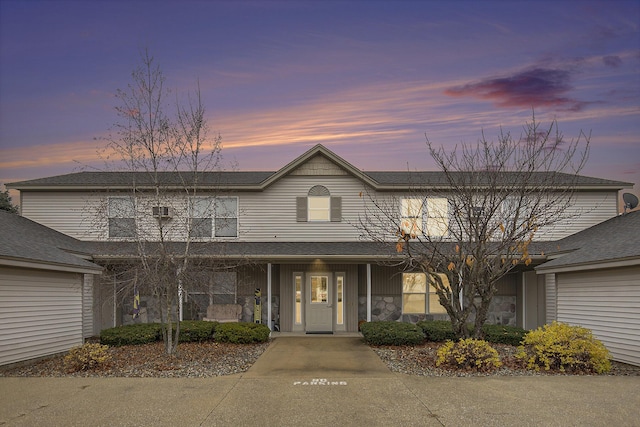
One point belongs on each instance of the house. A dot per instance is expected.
(593, 280)
(289, 235)
(46, 290)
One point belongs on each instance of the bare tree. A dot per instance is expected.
(469, 225)
(162, 150)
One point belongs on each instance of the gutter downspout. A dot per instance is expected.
(368, 292)
(269, 296)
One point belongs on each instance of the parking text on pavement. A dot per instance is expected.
(319, 381)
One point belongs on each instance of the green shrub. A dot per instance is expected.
(499, 334)
(441, 330)
(564, 348)
(391, 333)
(141, 333)
(241, 333)
(468, 354)
(196, 330)
(86, 357)
(437, 330)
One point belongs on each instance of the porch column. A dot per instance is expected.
(368, 292)
(524, 301)
(269, 296)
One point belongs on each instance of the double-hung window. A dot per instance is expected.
(122, 221)
(411, 213)
(419, 294)
(319, 206)
(226, 217)
(437, 216)
(429, 217)
(214, 217)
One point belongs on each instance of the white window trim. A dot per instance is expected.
(428, 296)
(212, 217)
(110, 216)
(340, 314)
(237, 217)
(323, 210)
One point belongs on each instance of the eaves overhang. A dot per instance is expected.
(44, 265)
(588, 266)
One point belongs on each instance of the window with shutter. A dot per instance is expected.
(318, 206)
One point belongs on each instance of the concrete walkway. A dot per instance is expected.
(321, 381)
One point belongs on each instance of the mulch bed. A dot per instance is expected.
(421, 360)
(207, 359)
(210, 359)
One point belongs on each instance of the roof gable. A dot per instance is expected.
(320, 161)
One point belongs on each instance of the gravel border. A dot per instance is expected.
(209, 359)
(421, 360)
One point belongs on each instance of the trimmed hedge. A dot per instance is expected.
(391, 333)
(197, 330)
(144, 333)
(441, 330)
(241, 333)
(500, 334)
(437, 330)
(141, 333)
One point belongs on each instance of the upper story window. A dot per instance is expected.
(430, 216)
(411, 213)
(122, 221)
(319, 206)
(437, 216)
(214, 217)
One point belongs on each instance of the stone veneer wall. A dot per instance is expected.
(502, 310)
(247, 309)
(150, 313)
(382, 308)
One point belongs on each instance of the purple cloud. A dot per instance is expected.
(532, 88)
(613, 61)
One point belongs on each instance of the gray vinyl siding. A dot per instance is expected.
(274, 214)
(67, 212)
(40, 313)
(588, 209)
(532, 303)
(607, 302)
(385, 281)
(277, 214)
(87, 305)
(551, 295)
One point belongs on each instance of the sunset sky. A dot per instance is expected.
(368, 79)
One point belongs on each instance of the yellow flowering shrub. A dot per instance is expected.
(564, 348)
(86, 357)
(468, 354)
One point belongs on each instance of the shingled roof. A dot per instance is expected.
(25, 243)
(614, 240)
(259, 180)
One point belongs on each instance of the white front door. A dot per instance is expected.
(319, 309)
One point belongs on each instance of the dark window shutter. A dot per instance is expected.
(336, 209)
(301, 209)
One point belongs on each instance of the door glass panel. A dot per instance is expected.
(339, 296)
(298, 297)
(319, 289)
